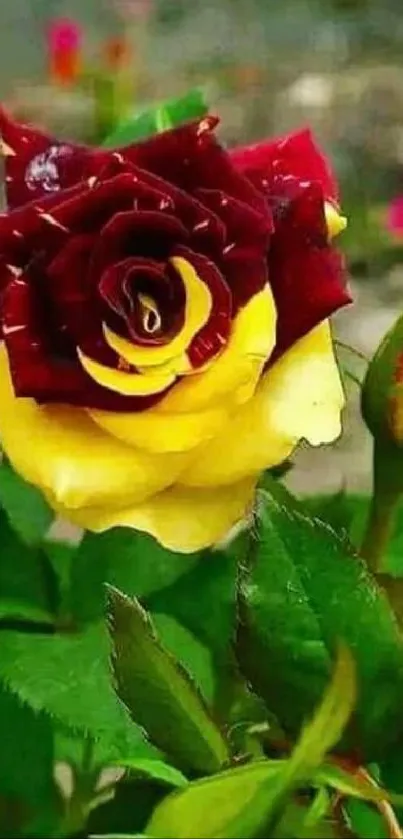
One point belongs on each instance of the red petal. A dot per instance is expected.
(27, 229)
(244, 225)
(118, 285)
(43, 226)
(294, 154)
(246, 273)
(36, 367)
(213, 336)
(36, 163)
(243, 259)
(208, 231)
(136, 233)
(305, 272)
(191, 157)
(75, 303)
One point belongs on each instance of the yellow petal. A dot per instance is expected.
(193, 413)
(61, 450)
(180, 365)
(300, 397)
(155, 431)
(177, 366)
(182, 519)
(197, 312)
(335, 222)
(235, 372)
(128, 384)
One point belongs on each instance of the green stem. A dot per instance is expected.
(387, 490)
(85, 781)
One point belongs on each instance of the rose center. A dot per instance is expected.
(147, 297)
(149, 313)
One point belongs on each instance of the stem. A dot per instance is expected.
(85, 780)
(387, 489)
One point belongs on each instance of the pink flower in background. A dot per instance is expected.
(64, 37)
(64, 34)
(394, 217)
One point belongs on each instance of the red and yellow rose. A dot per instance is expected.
(164, 312)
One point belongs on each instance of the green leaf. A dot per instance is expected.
(302, 591)
(28, 799)
(19, 611)
(155, 769)
(207, 807)
(67, 676)
(211, 615)
(351, 784)
(159, 117)
(60, 558)
(24, 505)
(159, 693)
(26, 579)
(118, 836)
(193, 655)
(365, 821)
(26, 753)
(382, 388)
(340, 510)
(130, 809)
(242, 802)
(319, 808)
(292, 824)
(349, 512)
(106, 752)
(133, 562)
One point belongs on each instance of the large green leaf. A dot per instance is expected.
(366, 822)
(159, 117)
(189, 651)
(27, 584)
(27, 791)
(207, 807)
(155, 769)
(349, 512)
(130, 809)
(304, 589)
(24, 505)
(26, 753)
(293, 824)
(159, 693)
(342, 511)
(133, 562)
(211, 615)
(244, 801)
(67, 676)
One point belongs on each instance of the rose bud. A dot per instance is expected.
(381, 398)
(165, 311)
(382, 410)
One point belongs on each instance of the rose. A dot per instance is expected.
(165, 324)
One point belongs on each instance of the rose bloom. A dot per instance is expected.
(164, 312)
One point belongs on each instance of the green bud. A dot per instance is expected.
(382, 391)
